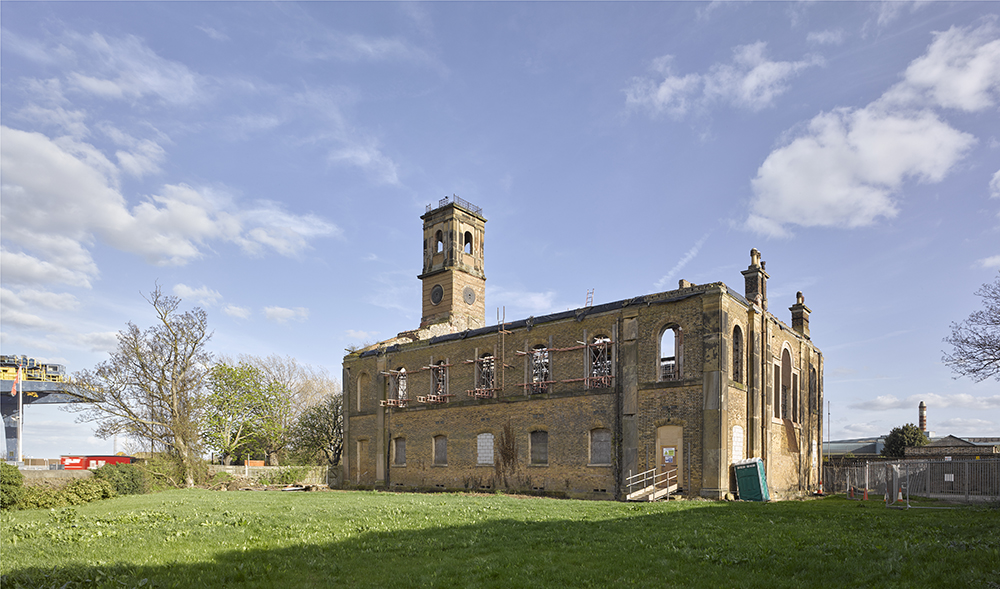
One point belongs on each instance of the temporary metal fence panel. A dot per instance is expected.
(954, 480)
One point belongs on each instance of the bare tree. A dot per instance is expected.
(151, 386)
(976, 341)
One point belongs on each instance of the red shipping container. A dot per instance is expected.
(91, 462)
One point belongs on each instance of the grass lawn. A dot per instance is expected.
(197, 538)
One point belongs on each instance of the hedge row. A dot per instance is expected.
(108, 481)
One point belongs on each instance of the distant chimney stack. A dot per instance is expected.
(756, 280)
(800, 315)
(923, 417)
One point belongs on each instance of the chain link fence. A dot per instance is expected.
(953, 480)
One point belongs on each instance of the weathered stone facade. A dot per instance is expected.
(688, 380)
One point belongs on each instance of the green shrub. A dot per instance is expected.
(127, 479)
(11, 485)
(86, 490)
(42, 498)
(78, 492)
(165, 471)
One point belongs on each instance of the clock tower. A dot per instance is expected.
(453, 282)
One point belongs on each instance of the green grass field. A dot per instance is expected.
(197, 538)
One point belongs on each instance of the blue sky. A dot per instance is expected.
(270, 161)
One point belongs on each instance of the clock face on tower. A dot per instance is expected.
(436, 293)
(469, 295)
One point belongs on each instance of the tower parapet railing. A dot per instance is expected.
(455, 199)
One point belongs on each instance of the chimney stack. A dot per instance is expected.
(800, 315)
(756, 281)
(923, 417)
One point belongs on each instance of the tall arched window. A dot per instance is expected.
(438, 242)
(737, 354)
(670, 353)
(539, 359)
(398, 391)
(600, 362)
(786, 383)
(362, 390)
(467, 245)
(486, 376)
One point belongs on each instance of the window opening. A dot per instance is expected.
(539, 370)
(795, 398)
(441, 450)
(600, 446)
(786, 384)
(484, 449)
(777, 391)
(669, 357)
(397, 388)
(485, 377)
(813, 399)
(438, 243)
(468, 242)
(399, 452)
(600, 362)
(539, 447)
(439, 384)
(737, 354)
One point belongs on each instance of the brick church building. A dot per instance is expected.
(681, 383)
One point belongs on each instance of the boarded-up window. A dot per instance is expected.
(737, 443)
(600, 446)
(441, 450)
(539, 447)
(484, 449)
(399, 452)
(737, 354)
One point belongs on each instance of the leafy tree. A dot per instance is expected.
(320, 429)
(152, 385)
(237, 399)
(302, 387)
(976, 341)
(901, 438)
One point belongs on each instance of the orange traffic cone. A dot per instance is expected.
(850, 492)
(866, 494)
(899, 497)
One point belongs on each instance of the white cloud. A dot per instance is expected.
(960, 70)
(203, 295)
(690, 255)
(283, 315)
(962, 426)
(990, 263)
(125, 68)
(846, 166)
(361, 335)
(61, 195)
(960, 401)
(236, 311)
(750, 81)
(995, 185)
(214, 34)
(829, 37)
(29, 297)
(525, 303)
(99, 341)
(860, 430)
(370, 158)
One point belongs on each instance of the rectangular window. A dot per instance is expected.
(600, 446)
(539, 447)
(484, 449)
(439, 372)
(441, 450)
(399, 452)
(777, 391)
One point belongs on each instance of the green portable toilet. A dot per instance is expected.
(751, 482)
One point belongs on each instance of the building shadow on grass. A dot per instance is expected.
(714, 545)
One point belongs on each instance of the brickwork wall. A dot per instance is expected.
(569, 411)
